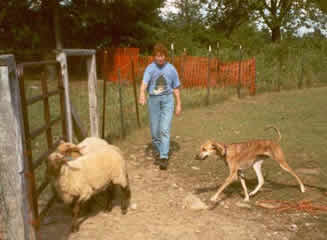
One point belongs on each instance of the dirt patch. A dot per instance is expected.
(157, 211)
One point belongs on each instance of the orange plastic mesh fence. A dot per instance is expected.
(193, 71)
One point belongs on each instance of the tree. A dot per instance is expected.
(35, 24)
(322, 4)
(226, 16)
(186, 27)
(275, 15)
(15, 24)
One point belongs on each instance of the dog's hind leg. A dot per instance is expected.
(245, 189)
(288, 169)
(279, 157)
(257, 168)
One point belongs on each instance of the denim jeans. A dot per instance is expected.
(161, 109)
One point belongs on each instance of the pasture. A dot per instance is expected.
(157, 210)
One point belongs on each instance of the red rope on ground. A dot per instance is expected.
(303, 206)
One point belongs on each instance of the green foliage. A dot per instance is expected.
(276, 16)
(288, 63)
(292, 64)
(84, 24)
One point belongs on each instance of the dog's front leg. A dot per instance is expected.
(245, 189)
(232, 177)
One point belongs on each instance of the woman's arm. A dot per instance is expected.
(142, 99)
(178, 108)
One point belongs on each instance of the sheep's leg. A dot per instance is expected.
(126, 195)
(109, 198)
(76, 210)
(88, 205)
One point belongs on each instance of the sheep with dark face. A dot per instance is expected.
(77, 181)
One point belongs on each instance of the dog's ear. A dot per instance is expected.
(220, 147)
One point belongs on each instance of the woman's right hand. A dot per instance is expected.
(142, 99)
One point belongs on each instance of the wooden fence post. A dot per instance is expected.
(62, 58)
(18, 214)
(92, 84)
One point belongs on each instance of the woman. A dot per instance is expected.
(161, 82)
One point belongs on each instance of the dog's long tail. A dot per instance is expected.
(276, 129)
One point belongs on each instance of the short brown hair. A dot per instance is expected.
(160, 48)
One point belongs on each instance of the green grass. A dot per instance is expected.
(300, 116)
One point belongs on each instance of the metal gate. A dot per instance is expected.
(32, 132)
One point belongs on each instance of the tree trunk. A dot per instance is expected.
(275, 34)
(50, 68)
(56, 23)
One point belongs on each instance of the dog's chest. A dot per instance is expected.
(241, 156)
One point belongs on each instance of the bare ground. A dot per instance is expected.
(157, 207)
(157, 212)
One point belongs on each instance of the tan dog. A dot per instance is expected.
(240, 156)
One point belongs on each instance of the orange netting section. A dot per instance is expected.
(193, 71)
(118, 59)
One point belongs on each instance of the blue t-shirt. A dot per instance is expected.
(161, 80)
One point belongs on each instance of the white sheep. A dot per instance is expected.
(93, 144)
(89, 144)
(77, 181)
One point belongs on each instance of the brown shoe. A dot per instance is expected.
(163, 163)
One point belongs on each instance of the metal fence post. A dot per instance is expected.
(135, 94)
(208, 81)
(217, 66)
(172, 53)
(121, 106)
(104, 79)
(239, 74)
(300, 84)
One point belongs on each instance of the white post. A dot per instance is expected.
(92, 85)
(14, 207)
(62, 58)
